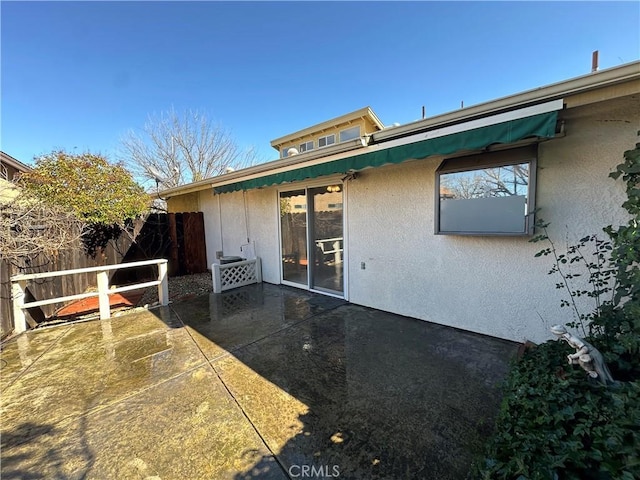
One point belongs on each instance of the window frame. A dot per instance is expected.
(325, 137)
(346, 130)
(303, 147)
(492, 159)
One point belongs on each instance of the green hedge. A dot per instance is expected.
(555, 424)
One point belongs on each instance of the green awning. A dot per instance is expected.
(542, 125)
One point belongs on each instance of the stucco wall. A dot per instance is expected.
(258, 225)
(183, 203)
(491, 285)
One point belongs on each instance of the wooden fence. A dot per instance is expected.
(187, 251)
(177, 236)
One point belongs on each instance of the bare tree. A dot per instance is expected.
(32, 227)
(175, 149)
(489, 182)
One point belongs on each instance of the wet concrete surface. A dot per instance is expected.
(259, 382)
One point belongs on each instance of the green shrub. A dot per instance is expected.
(554, 424)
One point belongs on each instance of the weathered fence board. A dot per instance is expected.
(187, 252)
(194, 244)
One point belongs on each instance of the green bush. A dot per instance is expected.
(554, 424)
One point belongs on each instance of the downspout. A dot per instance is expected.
(220, 220)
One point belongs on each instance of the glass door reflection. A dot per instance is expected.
(293, 227)
(327, 241)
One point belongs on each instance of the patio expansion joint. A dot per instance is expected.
(233, 397)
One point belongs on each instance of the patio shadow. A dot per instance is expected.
(337, 389)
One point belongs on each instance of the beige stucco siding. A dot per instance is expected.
(258, 225)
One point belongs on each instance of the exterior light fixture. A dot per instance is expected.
(333, 188)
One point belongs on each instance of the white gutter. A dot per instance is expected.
(603, 78)
(480, 122)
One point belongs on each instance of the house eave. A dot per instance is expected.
(14, 163)
(265, 167)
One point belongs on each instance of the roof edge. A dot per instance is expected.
(554, 91)
(14, 162)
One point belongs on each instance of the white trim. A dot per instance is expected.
(328, 293)
(305, 144)
(478, 123)
(345, 242)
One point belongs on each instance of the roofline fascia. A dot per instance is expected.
(591, 81)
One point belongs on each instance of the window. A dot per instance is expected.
(327, 140)
(487, 194)
(306, 146)
(285, 152)
(349, 134)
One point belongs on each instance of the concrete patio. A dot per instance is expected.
(259, 382)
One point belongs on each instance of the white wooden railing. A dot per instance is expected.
(19, 285)
(331, 245)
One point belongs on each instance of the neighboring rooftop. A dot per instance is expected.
(8, 160)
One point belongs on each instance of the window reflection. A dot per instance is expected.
(501, 181)
(293, 219)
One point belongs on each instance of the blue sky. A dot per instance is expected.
(79, 75)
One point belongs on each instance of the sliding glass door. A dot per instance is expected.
(312, 242)
(293, 228)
